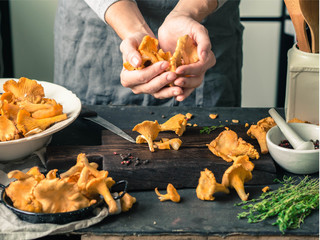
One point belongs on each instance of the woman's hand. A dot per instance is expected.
(190, 76)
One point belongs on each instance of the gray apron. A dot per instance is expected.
(88, 60)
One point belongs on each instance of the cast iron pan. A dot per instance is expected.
(59, 218)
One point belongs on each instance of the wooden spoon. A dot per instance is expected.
(299, 24)
(310, 12)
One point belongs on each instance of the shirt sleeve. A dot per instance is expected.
(101, 6)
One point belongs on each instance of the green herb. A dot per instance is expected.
(290, 203)
(210, 129)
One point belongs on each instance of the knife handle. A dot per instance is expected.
(86, 112)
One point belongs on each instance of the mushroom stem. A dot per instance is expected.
(221, 188)
(104, 191)
(238, 185)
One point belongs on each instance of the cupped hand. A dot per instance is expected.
(153, 79)
(189, 76)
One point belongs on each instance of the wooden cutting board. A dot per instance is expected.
(181, 168)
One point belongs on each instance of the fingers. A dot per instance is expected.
(138, 77)
(151, 80)
(202, 39)
(186, 93)
(129, 47)
(168, 92)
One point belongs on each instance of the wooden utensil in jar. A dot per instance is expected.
(310, 12)
(299, 24)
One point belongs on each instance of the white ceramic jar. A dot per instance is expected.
(302, 90)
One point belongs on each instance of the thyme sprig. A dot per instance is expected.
(290, 204)
(208, 130)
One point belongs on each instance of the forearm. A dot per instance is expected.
(126, 19)
(197, 10)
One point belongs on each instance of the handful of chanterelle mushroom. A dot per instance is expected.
(77, 188)
(185, 53)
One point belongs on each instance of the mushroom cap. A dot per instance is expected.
(174, 195)
(205, 188)
(21, 194)
(17, 174)
(25, 89)
(227, 144)
(259, 132)
(149, 130)
(59, 195)
(208, 185)
(35, 173)
(188, 49)
(127, 202)
(266, 123)
(148, 49)
(9, 109)
(8, 130)
(176, 123)
(185, 53)
(46, 109)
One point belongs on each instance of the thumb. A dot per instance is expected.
(129, 47)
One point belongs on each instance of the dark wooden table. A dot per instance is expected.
(191, 218)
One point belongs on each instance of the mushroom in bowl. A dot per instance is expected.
(19, 146)
(293, 160)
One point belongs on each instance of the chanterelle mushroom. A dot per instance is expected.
(228, 145)
(127, 202)
(237, 174)
(208, 186)
(26, 123)
(172, 194)
(20, 191)
(259, 132)
(149, 130)
(176, 123)
(99, 185)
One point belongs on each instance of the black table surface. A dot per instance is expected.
(191, 216)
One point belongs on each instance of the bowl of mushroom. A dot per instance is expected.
(30, 112)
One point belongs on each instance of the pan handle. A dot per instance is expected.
(124, 191)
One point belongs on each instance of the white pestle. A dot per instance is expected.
(294, 139)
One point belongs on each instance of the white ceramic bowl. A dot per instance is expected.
(21, 148)
(295, 161)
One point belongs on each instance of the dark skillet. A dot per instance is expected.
(59, 218)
